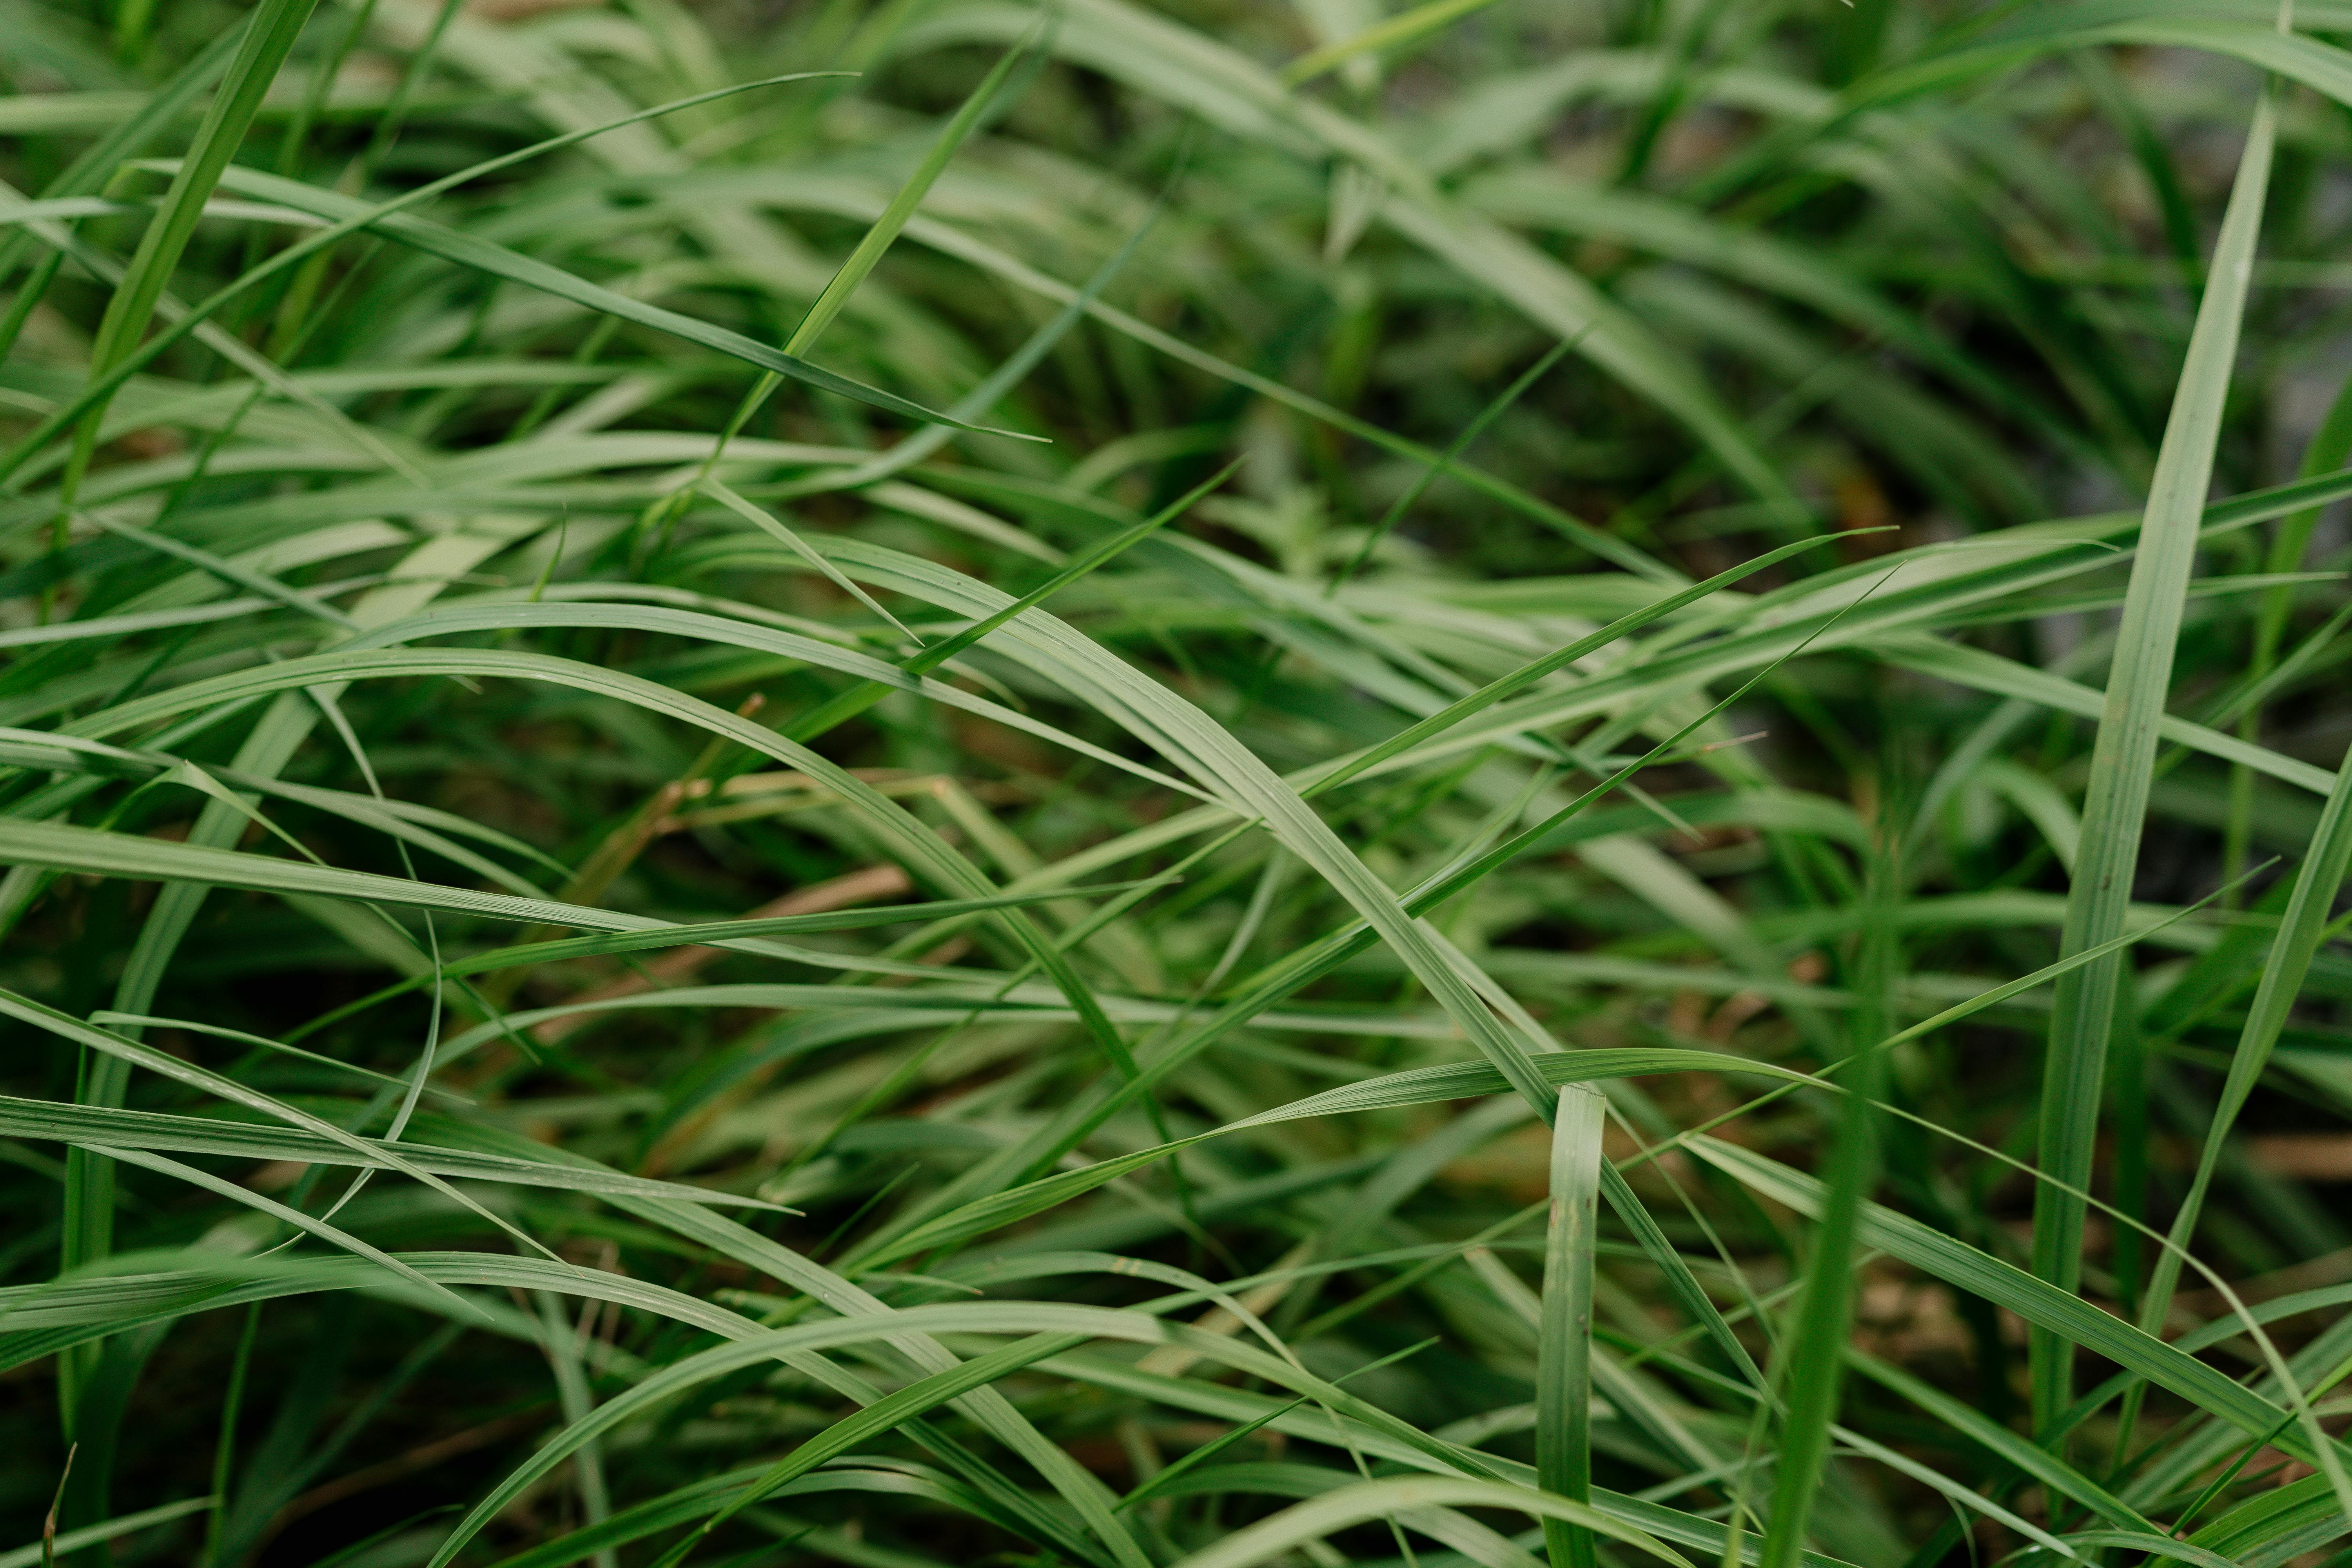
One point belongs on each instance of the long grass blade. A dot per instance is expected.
(1564, 1334)
(2123, 759)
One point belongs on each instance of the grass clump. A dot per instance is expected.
(1143, 784)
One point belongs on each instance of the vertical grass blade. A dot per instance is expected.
(1809, 1371)
(1564, 1332)
(565, 1356)
(269, 39)
(2123, 762)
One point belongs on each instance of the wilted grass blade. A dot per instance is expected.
(94, 1535)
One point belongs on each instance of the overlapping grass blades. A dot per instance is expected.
(1041, 945)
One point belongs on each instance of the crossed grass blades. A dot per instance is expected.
(924, 782)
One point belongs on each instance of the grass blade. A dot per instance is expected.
(267, 38)
(1564, 1334)
(2123, 760)
(1811, 1361)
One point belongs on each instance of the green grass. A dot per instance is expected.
(928, 783)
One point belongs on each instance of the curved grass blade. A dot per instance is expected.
(102, 386)
(1502, 686)
(2036, 1301)
(41, 1119)
(849, 704)
(497, 260)
(1336, 1510)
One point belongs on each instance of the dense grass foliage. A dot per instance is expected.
(1174, 782)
